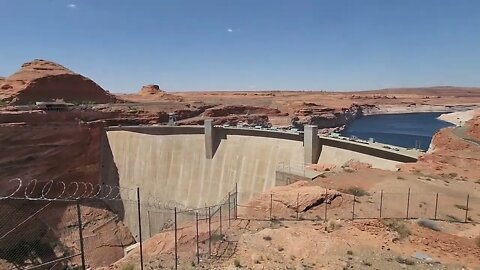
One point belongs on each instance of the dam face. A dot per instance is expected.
(174, 167)
(187, 167)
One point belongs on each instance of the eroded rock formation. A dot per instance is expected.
(151, 89)
(41, 80)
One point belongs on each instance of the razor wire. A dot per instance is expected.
(56, 190)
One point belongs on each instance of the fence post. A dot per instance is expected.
(82, 250)
(353, 207)
(149, 225)
(220, 220)
(466, 209)
(209, 233)
(206, 213)
(140, 228)
(298, 195)
(198, 254)
(381, 202)
(436, 207)
(271, 205)
(176, 254)
(229, 206)
(326, 194)
(236, 200)
(408, 201)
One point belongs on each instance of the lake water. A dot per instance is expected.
(398, 129)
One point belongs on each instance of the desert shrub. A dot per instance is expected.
(400, 177)
(333, 225)
(267, 238)
(477, 182)
(237, 263)
(128, 267)
(453, 218)
(427, 223)
(367, 263)
(404, 260)
(216, 237)
(462, 207)
(280, 249)
(357, 191)
(452, 175)
(398, 226)
(275, 220)
(349, 252)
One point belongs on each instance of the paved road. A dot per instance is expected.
(462, 134)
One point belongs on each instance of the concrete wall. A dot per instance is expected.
(174, 167)
(339, 156)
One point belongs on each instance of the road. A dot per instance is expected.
(462, 134)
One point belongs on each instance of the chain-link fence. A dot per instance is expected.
(39, 235)
(362, 205)
(89, 232)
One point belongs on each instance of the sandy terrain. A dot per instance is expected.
(459, 118)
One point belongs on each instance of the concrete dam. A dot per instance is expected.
(194, 166)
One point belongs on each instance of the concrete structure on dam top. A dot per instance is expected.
(194, 166)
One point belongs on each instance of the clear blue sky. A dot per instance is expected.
(248, 44)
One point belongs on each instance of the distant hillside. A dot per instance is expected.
(427, 91)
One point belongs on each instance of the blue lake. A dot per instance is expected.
(398, 129)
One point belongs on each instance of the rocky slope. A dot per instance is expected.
(324, 117)
(453, 154)
(41, 80)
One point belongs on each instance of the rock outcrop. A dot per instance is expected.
(324, 117)
(42, 80)
(221, 111)
(151, 89)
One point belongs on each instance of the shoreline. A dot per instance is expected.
(459, 118)
(395, 109)
(449, 114)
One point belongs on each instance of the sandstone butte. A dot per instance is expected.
(41, 80)
(151, 89)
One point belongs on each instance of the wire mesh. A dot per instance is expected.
(38, 234)
(43, 232)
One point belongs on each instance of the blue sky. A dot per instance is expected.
(248, 44)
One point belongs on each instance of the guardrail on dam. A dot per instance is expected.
(190, 166)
